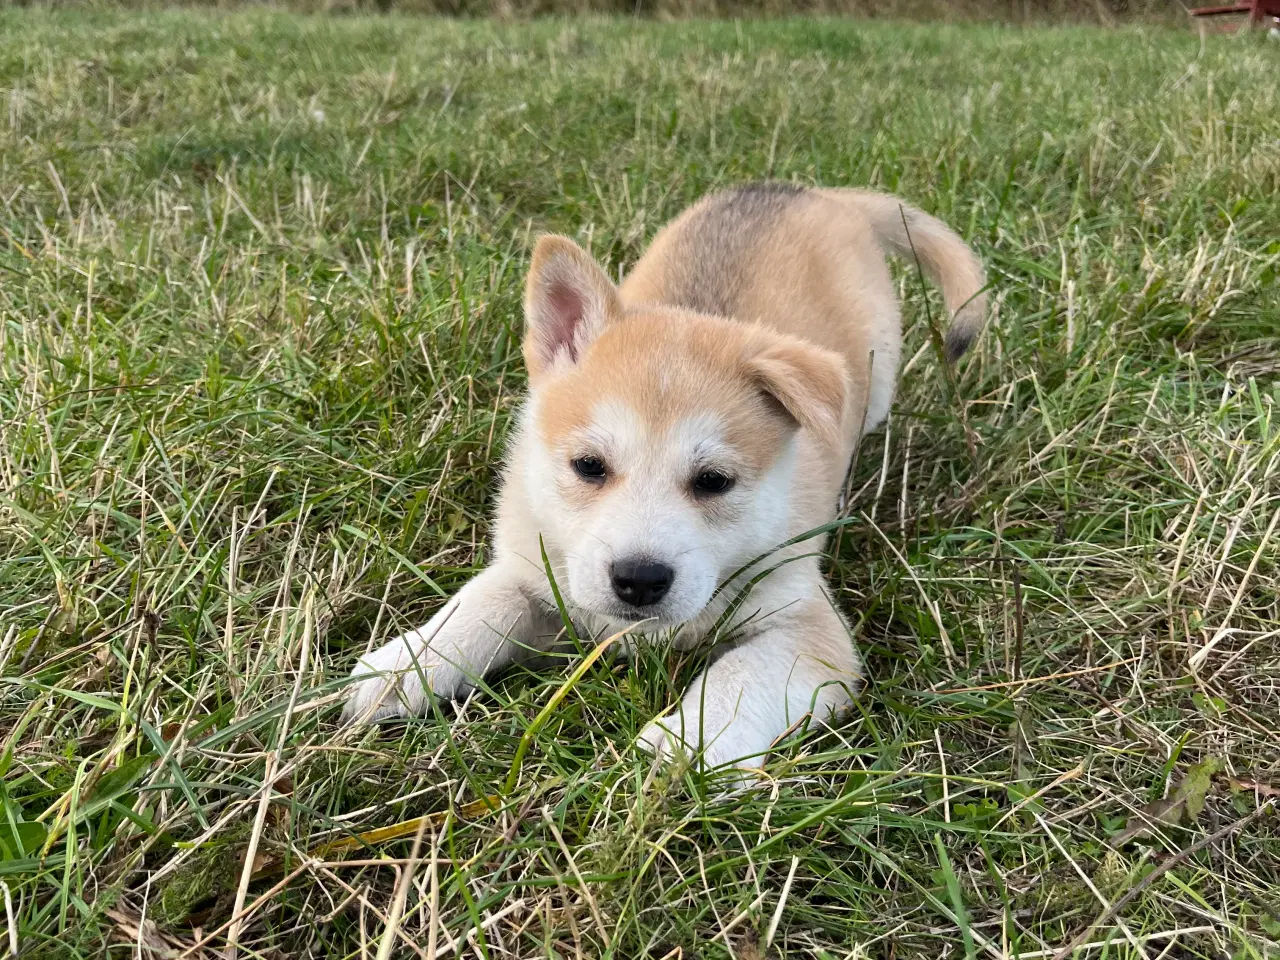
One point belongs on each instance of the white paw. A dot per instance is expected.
(388, 682)
(702, 740)
(658, 740)
(397, 679)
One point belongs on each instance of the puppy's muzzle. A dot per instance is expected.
(640, 581)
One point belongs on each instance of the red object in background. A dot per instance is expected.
(1258, 10)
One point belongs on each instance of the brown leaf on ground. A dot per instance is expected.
(1264, 789)
(145, 937)
(1183, 804)
(264, 864)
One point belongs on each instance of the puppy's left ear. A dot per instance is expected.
(807, 382)
(568, 300)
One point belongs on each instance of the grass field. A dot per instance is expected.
(259, 326)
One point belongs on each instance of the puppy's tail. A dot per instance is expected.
(947, 260)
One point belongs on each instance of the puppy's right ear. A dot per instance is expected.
(807, 382)
(568, 300)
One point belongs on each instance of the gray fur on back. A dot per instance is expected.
(706, 270)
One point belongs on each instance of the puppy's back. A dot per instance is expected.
(704, 260)
(808, 262)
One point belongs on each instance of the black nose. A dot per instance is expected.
(640, 581)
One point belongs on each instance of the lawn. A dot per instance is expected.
(260, 282)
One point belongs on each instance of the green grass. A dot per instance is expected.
(259, 326)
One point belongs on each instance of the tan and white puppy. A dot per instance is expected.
(678, 428)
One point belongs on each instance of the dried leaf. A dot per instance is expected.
(264, 866)
(1263, 789)
(407, 828)
(144, 936)
(1184, 803)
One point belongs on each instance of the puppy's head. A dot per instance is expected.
(661, 446)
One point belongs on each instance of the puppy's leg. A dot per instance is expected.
(756, 691)
(490, 622)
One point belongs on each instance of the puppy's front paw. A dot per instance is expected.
(388, 682)
(396, 679)
(701, 739)
(657, 740)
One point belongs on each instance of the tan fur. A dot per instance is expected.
(809, 263)
(946, 259)
(560, 272)
(665, 364)
(757, 339)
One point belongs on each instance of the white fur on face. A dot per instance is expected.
(647, 509)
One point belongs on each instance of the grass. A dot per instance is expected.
(1105, 12)
(259, 325)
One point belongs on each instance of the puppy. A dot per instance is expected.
(679, 430)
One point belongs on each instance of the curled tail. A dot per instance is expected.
(947, 260)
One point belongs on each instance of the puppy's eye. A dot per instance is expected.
(711, 482)
(590, 469)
